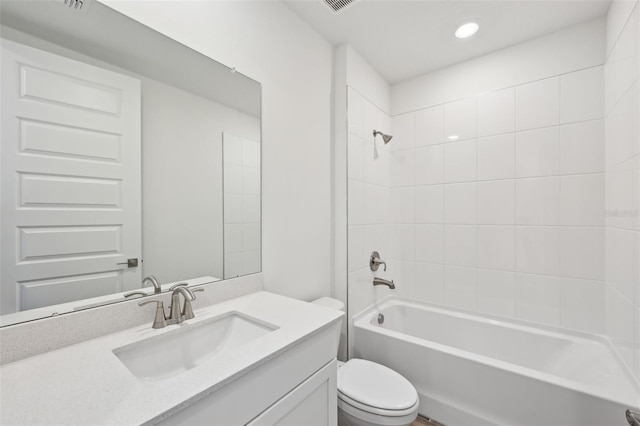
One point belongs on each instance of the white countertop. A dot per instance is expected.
(87, 384)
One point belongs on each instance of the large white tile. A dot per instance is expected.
(250, 180)
(430, 282)
(430, 204)
(496, 202)
(496, 247)
(403, 205)
(403, 167)
(583, 305)
(460, 161)
(430, 243)
(496, 292)
(460, 245)
(621, 128)
(623, 262)
(233, 208)
(582, 147)
(583, 200)
(251, 208)
(496, 112)
(233, 265)
(404, 132)
(460, 203)
(250, 153)
(538, 152)
(232, 237)
(582, 254)
(538, 104)
(377, 238)
(404, 277)
(620, 317)
(355, 113)
(356, 249)
(355, 202)
(538, 250)
(403, 242)
(429, 165)
(496, 157)
(460, 119)
(538, 298)
(430, 126)
(251, 240)
(582, 95)
(460, 287)
(376, 164)
(233, 179)
(232, 149)
(251, 262)
(538, 201)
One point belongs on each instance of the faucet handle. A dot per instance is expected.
(375, 261)
(173, 287)
(160, 319)
(135, 293)
(195, 291)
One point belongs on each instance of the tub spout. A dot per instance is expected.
(382, 281)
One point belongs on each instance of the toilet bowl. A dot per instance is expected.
(370, 394)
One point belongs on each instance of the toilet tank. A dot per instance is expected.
(329, 302)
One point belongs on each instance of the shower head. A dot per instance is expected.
(385, 138)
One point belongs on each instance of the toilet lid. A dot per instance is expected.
(375, 385)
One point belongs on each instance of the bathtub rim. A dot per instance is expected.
(365, 318)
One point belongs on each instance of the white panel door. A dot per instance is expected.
(70, 189)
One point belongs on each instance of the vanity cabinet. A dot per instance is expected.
(313, 402)
(297, 386)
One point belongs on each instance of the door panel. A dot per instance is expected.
(70, 190)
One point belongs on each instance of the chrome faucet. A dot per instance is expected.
(157, 289)
(154, 282)
(176, 315)
(382, 281)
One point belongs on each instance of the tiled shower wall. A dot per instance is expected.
(368, 198)
(498, 201)
(622, 165)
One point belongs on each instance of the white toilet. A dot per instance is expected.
(370, 394)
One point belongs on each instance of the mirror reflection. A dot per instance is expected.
(119, 160)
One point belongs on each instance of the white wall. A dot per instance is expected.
(268, 42)
(506, 219)
(622, 95)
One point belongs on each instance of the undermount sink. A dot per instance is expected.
(189, 345)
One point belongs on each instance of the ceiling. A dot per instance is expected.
(402, 39)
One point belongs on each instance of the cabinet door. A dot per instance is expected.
(313, 403)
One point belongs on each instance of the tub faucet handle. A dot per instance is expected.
(375, 261)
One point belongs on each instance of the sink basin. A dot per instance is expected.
(189, 345)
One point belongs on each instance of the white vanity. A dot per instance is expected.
(258, 359)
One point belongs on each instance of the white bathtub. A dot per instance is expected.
(471, 369)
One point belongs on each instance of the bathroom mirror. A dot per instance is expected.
(123, 154)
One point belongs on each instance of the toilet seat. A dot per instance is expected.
(365, 387)
(345, 400)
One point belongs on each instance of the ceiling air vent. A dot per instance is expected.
(338, 5)
(77, 5)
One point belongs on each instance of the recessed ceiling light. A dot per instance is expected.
(452, 137)
(467, 30)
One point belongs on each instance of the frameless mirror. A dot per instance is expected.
(123, 154)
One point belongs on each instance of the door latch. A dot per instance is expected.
(131, 263)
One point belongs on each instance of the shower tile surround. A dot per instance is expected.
(495, 204)
(622, 187)
(495, 201)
